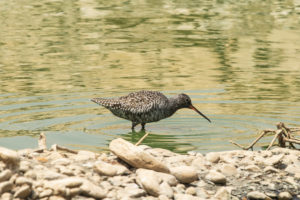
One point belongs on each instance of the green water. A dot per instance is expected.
(238, 60)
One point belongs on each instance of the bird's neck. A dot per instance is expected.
(173, 104)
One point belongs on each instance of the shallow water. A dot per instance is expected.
(239, 62)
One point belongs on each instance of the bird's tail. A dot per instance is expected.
(108, 103)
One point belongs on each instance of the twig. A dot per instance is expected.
(140, 141)
(283, 134)
(275, 137)
(254, 142)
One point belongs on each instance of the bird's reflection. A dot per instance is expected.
(153, 140)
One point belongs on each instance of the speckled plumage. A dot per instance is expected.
(145, 106)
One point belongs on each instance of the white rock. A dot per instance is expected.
(135, 156)
(255, 195)
(23, 180)
(191, 191)
(84, 155)
(61, 161)
(45, 193)
(165, 189)
(270, 169)
(274, 160)
(284, 196)
(185, 174)
(252, 168)
(148, 180)
(5, 175)
(168, 178)
(222, 194)
(9, 157)
(200, 163)
(90, 189)
(213, 157)
(216, 177)
(108, 169)
(6, 196)
(228, 170)
(186, 197)
(293, 169)
(23, 192)
(5, 187)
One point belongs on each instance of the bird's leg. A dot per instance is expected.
(133, 125)
(143, 126)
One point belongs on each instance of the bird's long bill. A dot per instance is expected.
(195, 109)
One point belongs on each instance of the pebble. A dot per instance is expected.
(185, 174)
(216, 177)
(23, 192)
(148, 180)
(228, 170)
(5, 187)
(191, 191)
(255, 195)
(5, 175)
(284, 196)
(9, 157)
(213, 157)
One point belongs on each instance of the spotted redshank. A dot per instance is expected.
(146, 106)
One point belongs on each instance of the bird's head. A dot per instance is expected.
(184, 101)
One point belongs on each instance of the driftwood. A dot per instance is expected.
(282, 134)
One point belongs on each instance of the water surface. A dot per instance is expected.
(238, 60)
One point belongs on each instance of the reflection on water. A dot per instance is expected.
(239, 62)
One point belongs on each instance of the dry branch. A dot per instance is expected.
(282, 134)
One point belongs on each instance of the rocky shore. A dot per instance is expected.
(141, 172)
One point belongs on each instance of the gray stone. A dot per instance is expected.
(185, 174)
(5, 175)
(5, 187)
(135, 156)
(284, 196)
(23, 192)
(255, 195)
(216, 177)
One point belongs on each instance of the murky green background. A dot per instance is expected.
(238, 60)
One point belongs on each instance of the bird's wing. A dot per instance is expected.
(142, 102)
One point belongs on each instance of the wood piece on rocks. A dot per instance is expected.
(185, 174)
(135, 156)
